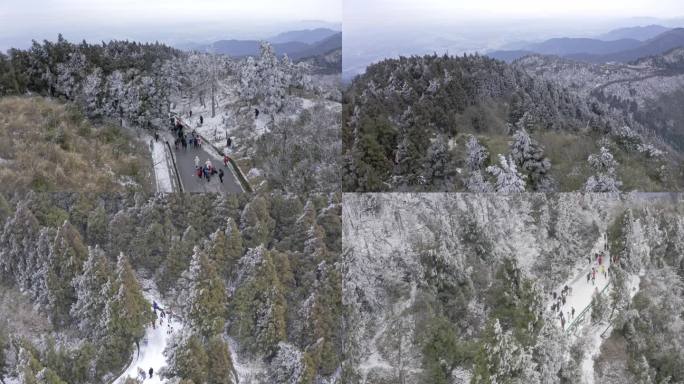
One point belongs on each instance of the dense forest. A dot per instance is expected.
(294, 146)
(441, 123)
(260, 271)
(446, 288)
(118, 79)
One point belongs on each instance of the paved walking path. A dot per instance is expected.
(581, 291)
(185, 162)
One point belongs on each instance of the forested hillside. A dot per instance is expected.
(119, 79)
(529, 288)
(648, 90)
(440, 123)
(282, 118)
(255, 282)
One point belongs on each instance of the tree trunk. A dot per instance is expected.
(213, 100)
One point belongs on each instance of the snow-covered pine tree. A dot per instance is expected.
(65, 262)
(437, 161)
(529, 157)
(258, 307)
(17, 243)
(256, 224)
(219, 363)
(605, 178)
(502, 359)
(88, 309)
(476, 154)
(508, 180)
(225, 248)
(96, 227)
(127, 314)
(178, 258)
(206, 303)
(287, 366)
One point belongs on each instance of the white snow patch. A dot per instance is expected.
(245, 370)
(161, 163)
(153, 344)
(261, 124)
(582, 291)
(254, 172)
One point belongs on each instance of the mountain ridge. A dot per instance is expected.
(296, 44)
(598, 51)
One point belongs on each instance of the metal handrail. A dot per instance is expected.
(175, 167)
(584, 311)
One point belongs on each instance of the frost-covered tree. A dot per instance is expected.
(476, 158)
(220, 365)
(258, 306)
(437, 160)
(88, 309)
(96, 227)
(267, 79)
(204, 297)
(287, 366)
(17, 246)
(70, 75)
(502, 359)
(476, 154)
(65, 262)
(549, 351)
(605, 178)
(126, 315)
(92, 96)
(189, 360)
(256, 225)
(529, 157)
(226, 248)
(476, 183)
(508, 180)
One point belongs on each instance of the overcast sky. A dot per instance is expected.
(165, 20)
(402, 10)
(377, 29)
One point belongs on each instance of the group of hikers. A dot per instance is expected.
(600, 267)
(560, 299)
(207, 170)
(142, 374)
(182, 139)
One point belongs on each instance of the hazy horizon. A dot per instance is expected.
(378, 29)
(172, 21)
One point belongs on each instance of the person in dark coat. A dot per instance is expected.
(220, 175)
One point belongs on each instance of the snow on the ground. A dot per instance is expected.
(261, 124)
(245, 370)
(160, 161)
(580, 298)
(582, 291)
(153, 344)
(596, 333)
(375, 360)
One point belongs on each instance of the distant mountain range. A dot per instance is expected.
(633, 43)
(307, 36)
(296, 44)
(636, 33)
